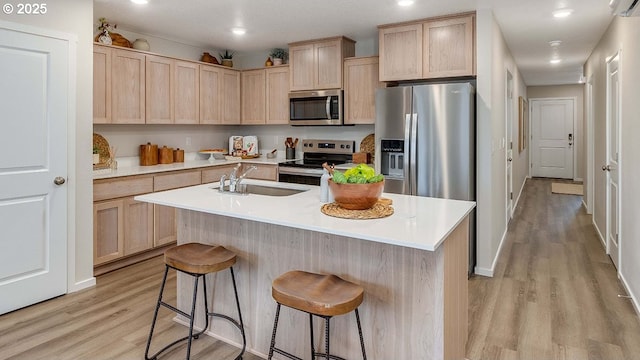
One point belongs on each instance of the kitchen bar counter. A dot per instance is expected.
(418, 222)
(412, 265)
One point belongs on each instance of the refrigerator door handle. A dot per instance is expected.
(413, 172)
(407, 154)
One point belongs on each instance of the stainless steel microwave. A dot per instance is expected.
(321, 107)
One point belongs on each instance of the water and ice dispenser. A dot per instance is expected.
(392, 162)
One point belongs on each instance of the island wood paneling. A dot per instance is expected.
(405, 305)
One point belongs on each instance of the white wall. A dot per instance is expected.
(127, 138)
(568, 91)
(621, 34)
(493, 60)
(74, 17)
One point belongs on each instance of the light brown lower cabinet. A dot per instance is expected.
(108, 231)
(138, 226)
(263, 171)
(126, 231)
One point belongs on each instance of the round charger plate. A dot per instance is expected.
(378, 211)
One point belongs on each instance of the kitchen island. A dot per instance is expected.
(412, 265)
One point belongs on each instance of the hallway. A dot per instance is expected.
(554, 294)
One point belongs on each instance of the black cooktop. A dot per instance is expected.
(315, 161)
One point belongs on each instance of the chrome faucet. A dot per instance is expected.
(232, 178)
(241, 177)
(223, 178)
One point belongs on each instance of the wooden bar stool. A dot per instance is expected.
(324, 296)
(197, 260)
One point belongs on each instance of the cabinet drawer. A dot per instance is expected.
(176, 180)
(263, 172)
(111, 189)
(213, 174)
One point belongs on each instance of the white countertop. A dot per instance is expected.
(129, 166)
(418, 222)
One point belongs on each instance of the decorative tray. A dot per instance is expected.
(380, 210)
(100, 143)
(214, 154)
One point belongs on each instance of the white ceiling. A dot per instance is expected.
(527, 25)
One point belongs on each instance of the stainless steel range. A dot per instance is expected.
(315, 153)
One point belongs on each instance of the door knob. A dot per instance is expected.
(606, 168)
(59, 180)
(509, 159)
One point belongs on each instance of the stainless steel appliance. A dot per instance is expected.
(425, 143)
(308, 170)
(322, 107)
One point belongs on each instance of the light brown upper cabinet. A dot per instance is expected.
(101, 84)
(277, 95)
(186, 93)
(219, 95)
(360, 84)
(317, 64)
(426, 49)
(254, 96)
(127, 87)
(265, 96)
(230, 97)
(159, 89)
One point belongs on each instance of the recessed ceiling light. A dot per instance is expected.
(139, 1)
(405, 2)
(555, 43)
(562, 13)
(555, 61)
(238, 31)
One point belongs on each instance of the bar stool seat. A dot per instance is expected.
(197, 260)
(319, 295)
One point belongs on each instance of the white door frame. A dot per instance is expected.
(575, 127)
(589, 147)
(508, 125)
(618, 54)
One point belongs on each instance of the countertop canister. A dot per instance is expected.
(148, 154)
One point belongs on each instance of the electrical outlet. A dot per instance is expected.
(187, 141)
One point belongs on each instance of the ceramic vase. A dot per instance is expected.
(141, 44)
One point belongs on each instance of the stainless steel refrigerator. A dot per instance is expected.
(425, 143)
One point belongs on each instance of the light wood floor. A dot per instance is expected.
(554, 296)
(109, 321)
(554, 291)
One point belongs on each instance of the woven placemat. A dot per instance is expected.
(379, 210)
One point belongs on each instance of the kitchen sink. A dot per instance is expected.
(262, 190)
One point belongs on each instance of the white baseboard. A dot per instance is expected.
(84, 284)
(515, 204)
(489, 272)
(595, 226)
(634, 299)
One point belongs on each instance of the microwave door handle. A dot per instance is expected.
(414, 154)
(406, 171)
(328, 107)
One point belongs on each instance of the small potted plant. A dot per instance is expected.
(279, 56)
(96, 155)
(226, 57)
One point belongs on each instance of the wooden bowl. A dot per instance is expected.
(356, 196)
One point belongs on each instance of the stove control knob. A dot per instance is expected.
(342, 146)
(305, 144)
(348, 146)
(310, 145)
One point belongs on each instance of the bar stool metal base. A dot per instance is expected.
(239, 324)
(314, 354)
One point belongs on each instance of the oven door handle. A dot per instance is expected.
(296, 171)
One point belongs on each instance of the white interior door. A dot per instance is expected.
(552, 138)
(33, 209)
(612, 168)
